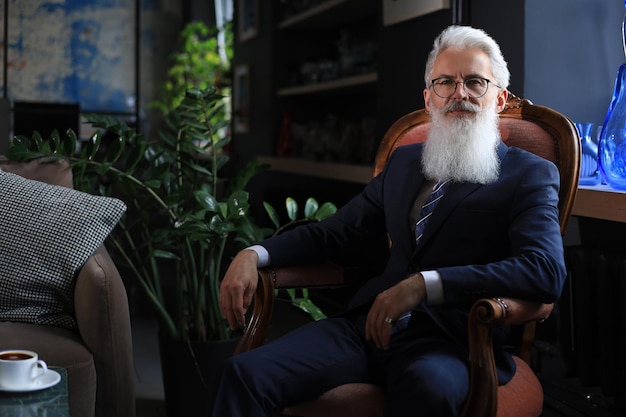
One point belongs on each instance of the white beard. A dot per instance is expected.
(463, 149)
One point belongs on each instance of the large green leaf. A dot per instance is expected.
(115, 149)
(309, 307)
(207, 201)
(200, 169)
(93, 146)
(20, 151)
(70, 143)
(55, 141)
(238, 204)
(327, 210)
(310, 208)
(134, 156)
(164, 254)
(292, 208)
(271, 212)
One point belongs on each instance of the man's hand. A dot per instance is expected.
(391, 304)
(238, 288)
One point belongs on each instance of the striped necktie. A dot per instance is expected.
(428, 207)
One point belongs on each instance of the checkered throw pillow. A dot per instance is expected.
(47, 233)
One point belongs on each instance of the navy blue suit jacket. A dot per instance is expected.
(497, 240)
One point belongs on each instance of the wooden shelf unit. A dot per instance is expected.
(333, 86)
(600, 202)
(329, 13)
(360, 174)
(322, 25)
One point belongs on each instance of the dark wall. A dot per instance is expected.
(404, 48)
(573, 51)
(505, 22)
(194, 10)
(259, 54)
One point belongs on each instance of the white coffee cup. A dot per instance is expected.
(19, 369)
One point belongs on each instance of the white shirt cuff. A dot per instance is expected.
(264, 255)
(434, 287)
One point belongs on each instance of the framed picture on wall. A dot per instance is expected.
(248, 11)
(395, 11)
(241, 99)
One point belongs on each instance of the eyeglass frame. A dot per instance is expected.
(456, 83)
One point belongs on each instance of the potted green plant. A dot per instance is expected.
(184, 221)
(181, 214)
(200, 61)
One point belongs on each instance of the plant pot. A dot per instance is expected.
(191, 372)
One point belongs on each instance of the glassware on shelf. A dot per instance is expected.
(612, 142)
(589, 169)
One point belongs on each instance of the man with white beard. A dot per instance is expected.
(463, 150)
(494, 232)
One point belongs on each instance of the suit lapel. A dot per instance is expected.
(456, 193)
(450, 200)
(413, 181)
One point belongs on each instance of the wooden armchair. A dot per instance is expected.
(538, 129)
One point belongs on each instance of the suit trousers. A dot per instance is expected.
(425, 373)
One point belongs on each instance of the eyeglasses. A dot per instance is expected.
(475, 87)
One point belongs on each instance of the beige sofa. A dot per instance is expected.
(98, 356)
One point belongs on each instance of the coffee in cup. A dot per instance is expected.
(19, 369)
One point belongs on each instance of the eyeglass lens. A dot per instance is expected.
(474, 87)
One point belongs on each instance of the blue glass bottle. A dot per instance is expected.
(589, 169)
(612, 142)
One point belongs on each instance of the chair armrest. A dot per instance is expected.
(484, 316)
(310, 276)
(102, 314)
(514, 312)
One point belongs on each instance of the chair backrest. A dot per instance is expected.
(538, 129)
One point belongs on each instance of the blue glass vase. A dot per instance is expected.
(612, 142)
(589, 169)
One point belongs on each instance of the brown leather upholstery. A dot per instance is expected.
(98, 356)
(538, 129)
(58, 173)
(522, 397)
(366, 400)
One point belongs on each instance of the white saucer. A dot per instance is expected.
(44, 381)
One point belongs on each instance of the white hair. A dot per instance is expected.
(466, 37)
